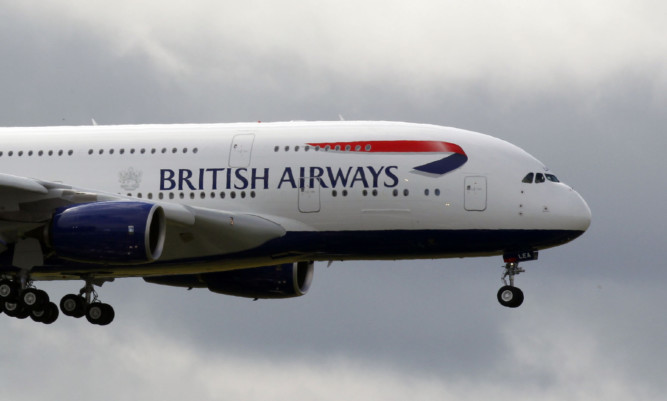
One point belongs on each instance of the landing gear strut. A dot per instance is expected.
(509, 295)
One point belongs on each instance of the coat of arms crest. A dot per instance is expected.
(129, 179)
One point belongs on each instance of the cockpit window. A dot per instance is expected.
(539, 177)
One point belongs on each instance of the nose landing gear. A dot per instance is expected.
(509, 295)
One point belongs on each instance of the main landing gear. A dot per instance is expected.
(29, 301)
(86, 304)
(509, 295)
(22, 301)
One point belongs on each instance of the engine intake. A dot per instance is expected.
(109, 232)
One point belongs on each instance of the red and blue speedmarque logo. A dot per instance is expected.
(456, 158)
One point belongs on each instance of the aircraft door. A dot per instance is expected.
(475, 194)
(309, 195)
(241, 150)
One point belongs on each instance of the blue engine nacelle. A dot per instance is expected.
(280, 281)
(286, 280)
(109, 232)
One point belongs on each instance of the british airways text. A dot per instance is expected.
(262, 178)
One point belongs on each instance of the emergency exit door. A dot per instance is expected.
(241, 150)
(475, 193)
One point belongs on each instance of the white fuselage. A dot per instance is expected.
(367, 201)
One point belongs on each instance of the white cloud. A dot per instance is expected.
(536, 45)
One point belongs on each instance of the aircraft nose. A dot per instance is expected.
(581, 214)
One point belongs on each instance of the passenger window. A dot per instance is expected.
(552, 178)
(539, 178)
(528, 179)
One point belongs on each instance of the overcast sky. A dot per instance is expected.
(580, 85)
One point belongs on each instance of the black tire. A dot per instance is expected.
(510, 297)
(8, 290)
(73, 305)
(11, 309)
(51, 313)
(94, 313)
(109, 314)
(38, 315)
(100, 314)
(23, 313)
(33, 299)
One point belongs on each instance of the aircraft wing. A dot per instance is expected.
(28, 205)
(20, 184)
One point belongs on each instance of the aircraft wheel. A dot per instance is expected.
(510, 297)
(37, 315)
(15, 309)
(33, 298)
(12, 309)
(8, 289)
(100, 314)
(23, 313)
(47, 315)
(51, 313)
(73, 305)
(109, 313)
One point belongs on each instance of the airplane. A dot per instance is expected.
(246, 209)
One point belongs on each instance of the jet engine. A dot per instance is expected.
(287, 280)
(108, 232)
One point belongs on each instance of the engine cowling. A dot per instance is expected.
(286, 280)
(280, 281)
(109, 232)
